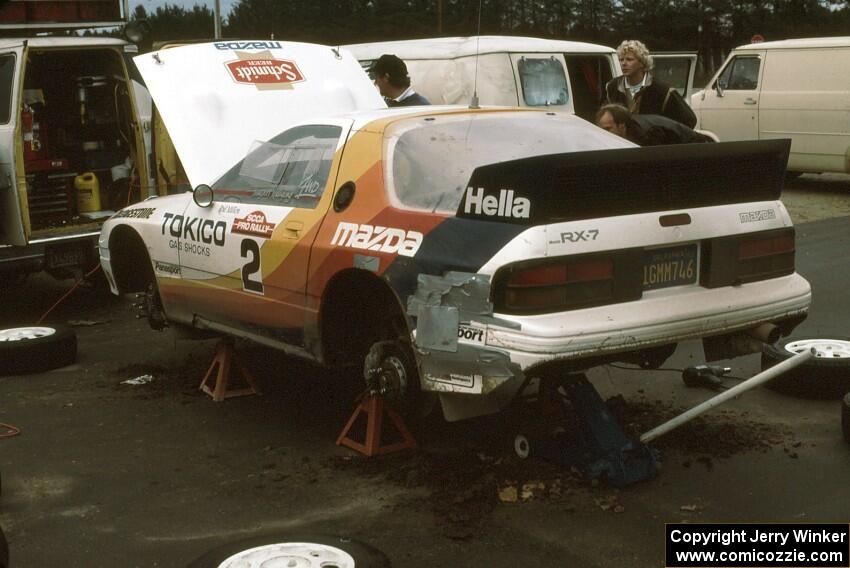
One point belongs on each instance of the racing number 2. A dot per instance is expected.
(251, 250)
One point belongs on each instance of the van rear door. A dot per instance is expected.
(542, 80)
(677, 70)
(11, 196)
(588, 73)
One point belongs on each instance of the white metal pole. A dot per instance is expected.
(750, 383)
(217, 16)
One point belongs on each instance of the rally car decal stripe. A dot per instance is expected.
(236, 305)
(456, 244)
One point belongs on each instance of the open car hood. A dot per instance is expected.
(217, 98)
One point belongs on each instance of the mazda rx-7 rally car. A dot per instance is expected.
(460, 251)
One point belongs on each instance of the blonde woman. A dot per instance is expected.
(636, 90)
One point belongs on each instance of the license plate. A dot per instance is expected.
(67, 255)
(671, 266)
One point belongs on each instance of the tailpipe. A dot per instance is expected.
(740, 343)
(766, 332)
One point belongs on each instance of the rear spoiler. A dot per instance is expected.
(604, 183)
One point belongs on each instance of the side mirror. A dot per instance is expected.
(203, 195)
(719, 88)
(137, 30)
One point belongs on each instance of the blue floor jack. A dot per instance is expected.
(598, 447)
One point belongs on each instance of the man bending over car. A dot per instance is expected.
(646, 129)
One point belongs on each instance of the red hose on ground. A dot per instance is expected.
(10, 430)
(66, 294)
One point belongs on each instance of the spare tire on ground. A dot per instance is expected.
(827, 376)
(311, 551)
(4, 551)
(845, 417)
(37, 348)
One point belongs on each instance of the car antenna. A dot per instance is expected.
(474, 102)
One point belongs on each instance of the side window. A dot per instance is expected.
(290, 170)
(588, 75)
(741, 74)
(7, 75)
(543, 81)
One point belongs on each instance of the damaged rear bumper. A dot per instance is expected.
(466, 349)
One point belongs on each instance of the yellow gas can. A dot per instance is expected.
(88, 192)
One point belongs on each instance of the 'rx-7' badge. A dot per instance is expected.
(265, 72)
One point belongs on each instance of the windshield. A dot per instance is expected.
(289, 170)
(431, 160)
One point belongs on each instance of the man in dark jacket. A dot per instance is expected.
(390, 76)
(646, 129)
(636, 90)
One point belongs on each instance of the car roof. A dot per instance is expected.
(378, 120)
(802, 43)
(450, 47)
(63, 42)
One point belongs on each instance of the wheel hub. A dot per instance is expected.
(385, 371)
(824, 348)
(290, 555)
(392, 377)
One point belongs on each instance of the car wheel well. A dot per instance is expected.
(358, 309)
(129, 259)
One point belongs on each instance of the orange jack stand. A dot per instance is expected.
(226, 358)
(374, 408)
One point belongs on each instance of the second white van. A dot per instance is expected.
(797, 89)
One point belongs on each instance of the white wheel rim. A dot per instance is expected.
(521, 446)
(290, 554)
(824, 348)
(24, 333)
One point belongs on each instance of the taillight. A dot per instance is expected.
(761, 258)
(748, 258)
(566, 283)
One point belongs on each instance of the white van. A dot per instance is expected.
(568, 76)
(797, 89)
(74, 127)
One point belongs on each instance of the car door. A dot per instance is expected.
(542, 80)
(245, 257)
(730, 107)
(676, 70)
(12, 190)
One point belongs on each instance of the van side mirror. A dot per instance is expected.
(719, 88)
(203, 195)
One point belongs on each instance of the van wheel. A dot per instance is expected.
(845, 417)
(35, 349)
(310, 551)
(827, 376)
